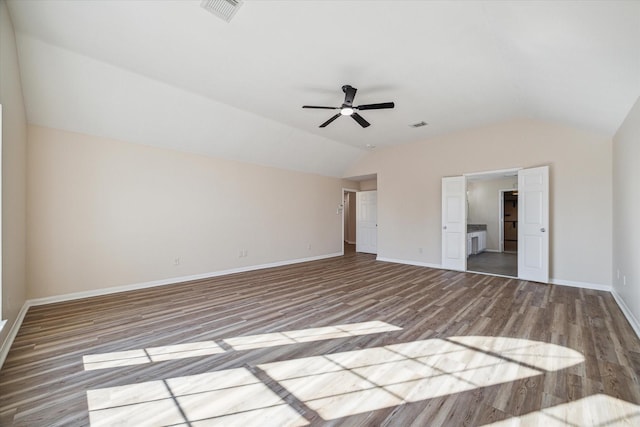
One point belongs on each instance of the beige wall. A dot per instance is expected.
(626, 213)
(105, 213)
(484, 206)
(409, 185)
(369, 185)
(14, 175)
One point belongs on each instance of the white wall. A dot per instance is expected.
(484, 206)
(626, 214)
(105, 213)
(14, 176)
(409, 185)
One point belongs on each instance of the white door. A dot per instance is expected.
(367, 222)
(533, 224)
(454, 223)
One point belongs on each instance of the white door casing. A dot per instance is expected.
(367, 222)
(454, 223)
(533, 224)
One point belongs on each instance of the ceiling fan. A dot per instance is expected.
(348, 109)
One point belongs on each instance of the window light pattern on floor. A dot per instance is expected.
(205, 348)
(231, 397)
(334, 385)
(343, 384)
(308, 335)
(151, 354)
(597, 410)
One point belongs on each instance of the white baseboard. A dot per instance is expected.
(583, 285)
(635, 324)
(172, 280)
(6, 345)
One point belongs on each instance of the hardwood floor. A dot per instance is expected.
(343, 341)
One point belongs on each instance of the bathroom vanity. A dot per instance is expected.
(476, 238)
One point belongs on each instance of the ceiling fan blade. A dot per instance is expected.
(358, 118)
(380, 106)
(330, 120)
(324, 108)
(349, 94)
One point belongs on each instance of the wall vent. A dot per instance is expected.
(224, 9)
(418, 125)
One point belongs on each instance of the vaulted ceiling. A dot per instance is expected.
(171, 74)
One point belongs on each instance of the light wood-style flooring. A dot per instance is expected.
(342, 341)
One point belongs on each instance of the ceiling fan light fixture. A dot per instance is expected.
(346, 111)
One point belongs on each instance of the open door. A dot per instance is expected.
(367, 222)
(533, 224)
(454, 223)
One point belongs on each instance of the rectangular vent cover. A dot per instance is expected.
(419, 124)
(224, 9)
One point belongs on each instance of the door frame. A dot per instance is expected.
(341, 208)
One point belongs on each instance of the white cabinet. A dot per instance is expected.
(476, 242)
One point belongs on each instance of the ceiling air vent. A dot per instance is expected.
(224, 9)
(418, 125)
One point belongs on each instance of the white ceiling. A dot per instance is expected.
(169, 73)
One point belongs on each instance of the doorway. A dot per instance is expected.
(349, 220)
(490, 222)
(359, 215)
(471, 226)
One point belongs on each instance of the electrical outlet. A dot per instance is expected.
(245, 253)
(176, 261)
(624, 280)
(309, 246)
(240, 255)
(419, 250)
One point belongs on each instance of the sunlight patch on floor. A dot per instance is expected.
(598, 410)
(343, 384)
(541, 355)
(230, 397)
(206, 348)
(148, 355)
(309, 335)
(335, 385)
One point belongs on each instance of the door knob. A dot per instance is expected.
(542, 229)
(444, 228)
